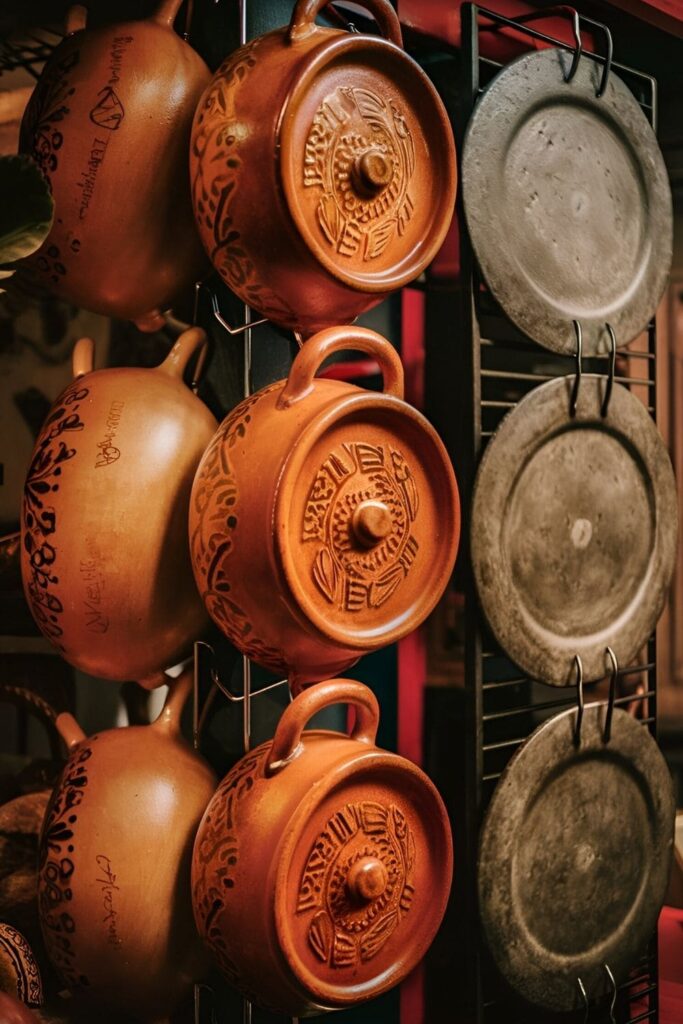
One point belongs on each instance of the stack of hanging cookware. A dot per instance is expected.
(574, 521)
(323, 519)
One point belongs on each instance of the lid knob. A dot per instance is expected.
(371, 523)
(371, 172)
(367, 879)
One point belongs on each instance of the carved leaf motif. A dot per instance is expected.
(350, 239)
(370, 106)
(374, 817)
(344, 953)
(330, 218)
(325, 574)
(412, 496)
(383, 588)
(404, 214)
(378, 238)
(377, 936)
(321, 936)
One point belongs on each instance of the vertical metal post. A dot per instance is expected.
(471, 376)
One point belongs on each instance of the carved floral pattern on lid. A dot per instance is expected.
(360, 155)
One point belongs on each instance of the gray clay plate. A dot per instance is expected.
(567, 202)
(573, 530)
(574, 857)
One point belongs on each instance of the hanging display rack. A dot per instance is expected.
(483, 374)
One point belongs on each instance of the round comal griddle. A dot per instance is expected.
(573, 530)
(574, 857)
(568, 202)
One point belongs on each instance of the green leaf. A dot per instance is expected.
(26, 208)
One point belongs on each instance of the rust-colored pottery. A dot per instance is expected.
(322, 166)
(114, 883)
(324, 519)
(322, 865)
(14, 1012)
(109, 125)
(105, 559)
(19, 971)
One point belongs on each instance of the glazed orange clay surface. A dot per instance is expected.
(322, 165)
(105, 560)
(109, 126)
(322, 865)
(114, 881)
(324, 519)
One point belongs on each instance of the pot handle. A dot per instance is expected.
(166, 12)
(288, 740)
(76, 19)
(306, 11)
(184, 348)
(63, 721)
(83, 357)
(338, 339)
(179, 689)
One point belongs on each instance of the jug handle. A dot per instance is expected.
(76, 19)
(184, 348)
(288, 741)
(166, 12)
(179, 689)
(83, 357)
(304, 14)
(64, 722)
(337, 339)
(69, 729)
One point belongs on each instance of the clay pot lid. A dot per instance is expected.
(367, 520)
(367, 162)
(363, 878)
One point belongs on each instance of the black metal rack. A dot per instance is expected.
(472, 383)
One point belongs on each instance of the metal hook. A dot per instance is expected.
(224, 323)
(607, 60)
(195, 311)
(613, 1003)
(582, 990)
(612, 694)
(570, 12)
(577, 379)
(578, 50)
(199, 987)
(241, 698)
(612, 369)
(579, 697)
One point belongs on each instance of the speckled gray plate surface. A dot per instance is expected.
(568, 202)
(574, 857)
(574, 530)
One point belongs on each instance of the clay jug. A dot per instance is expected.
(105, 560)
(109, 126)
(323, 169)
(19, 971)
(14, 1012)
(324, 519)
(114, 878)
(322, 866)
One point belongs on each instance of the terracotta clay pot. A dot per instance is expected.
(105, 561)
(323, 169)
(14, 1012)
(109, 126)
(322, 865)
(114, 880)
(324, 519)
(19, 971)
